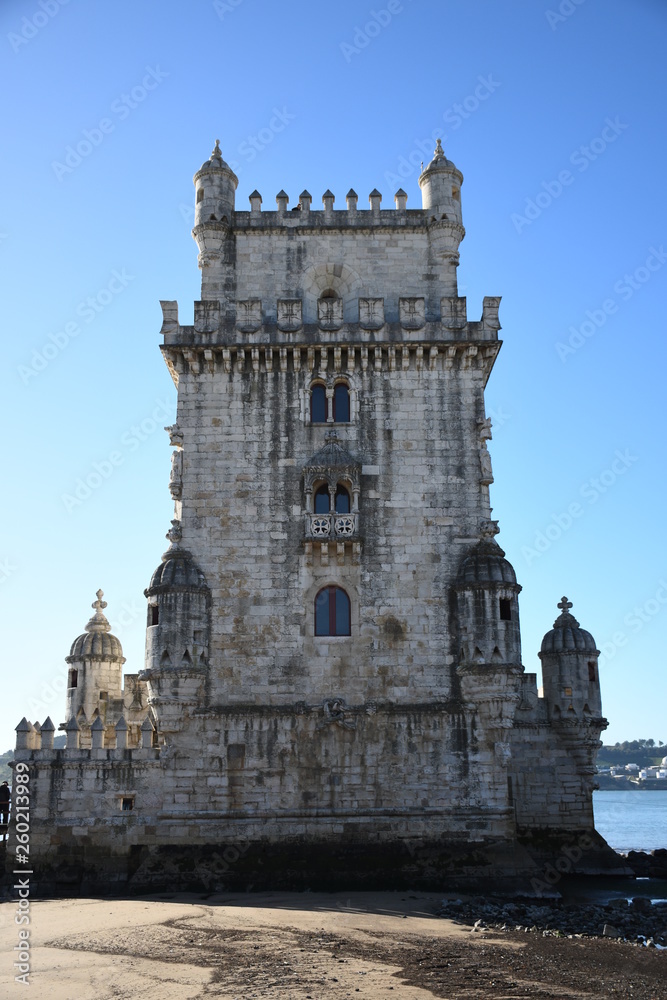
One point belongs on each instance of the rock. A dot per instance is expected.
(610, 931)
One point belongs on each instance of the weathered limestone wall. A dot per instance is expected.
(245, 444)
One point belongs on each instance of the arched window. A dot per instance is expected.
(73, 678)
(342, 500)
(332, 612)
(318, 404)
(341, 403)
(322, 500)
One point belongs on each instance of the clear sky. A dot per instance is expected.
(554, 110)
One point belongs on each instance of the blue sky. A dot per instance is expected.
(553, 111)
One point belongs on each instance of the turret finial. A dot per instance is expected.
(174, 534)
(99, 603)
(439, 151)
(216, 154)
(565, 619)
(98, 623)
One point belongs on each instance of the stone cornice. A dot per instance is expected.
(422, 356)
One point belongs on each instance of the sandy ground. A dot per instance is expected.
(305, 945)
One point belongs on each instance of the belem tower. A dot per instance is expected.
(333, 691)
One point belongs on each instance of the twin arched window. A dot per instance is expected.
(340, 403)
(323, 500)
(332, 612)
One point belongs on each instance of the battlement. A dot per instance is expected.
(354, 320)
(83, 737)
(302, 216)
(77, 755)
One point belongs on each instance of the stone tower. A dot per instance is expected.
(333, 673)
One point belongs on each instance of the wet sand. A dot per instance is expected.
(306, 945)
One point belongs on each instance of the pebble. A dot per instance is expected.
(639, 921)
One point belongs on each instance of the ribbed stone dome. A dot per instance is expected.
(177, 569)
(100, 645)
(566, 635)
(440, 161)
(215, 161)
(97, 642)
(486, 564)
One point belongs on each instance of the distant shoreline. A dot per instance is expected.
(627, 785)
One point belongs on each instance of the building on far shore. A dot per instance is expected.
(333, 690)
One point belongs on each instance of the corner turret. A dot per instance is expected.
(215, 191)
(440, 184)
(177, 635)
(570, 670)
(95, 676)
(488, 604)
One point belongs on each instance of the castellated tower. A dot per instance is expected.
(333, 674)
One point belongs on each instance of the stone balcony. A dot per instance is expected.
(332, 527)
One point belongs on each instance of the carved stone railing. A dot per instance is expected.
(325, 527)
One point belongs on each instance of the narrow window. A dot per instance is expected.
(322, 500)
(341, 404)
(200, 195)
(342, 500)
(127, 804)
(591, 671)
(505, 609)
(510, 791)
(73, 678)
(318, 404)
(332, 612)
(104, 695)
(154, 614)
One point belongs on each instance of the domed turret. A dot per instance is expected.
(570, 669)
(441, 183)
(215, 189)
(177, 633)
(95, 661)
(488, 605)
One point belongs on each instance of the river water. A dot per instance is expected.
(632, 821)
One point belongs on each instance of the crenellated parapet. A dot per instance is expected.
(366, 320)
(35, 742)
